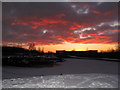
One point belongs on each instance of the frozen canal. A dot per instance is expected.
(76, 73)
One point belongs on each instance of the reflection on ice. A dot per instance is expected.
(64, 81)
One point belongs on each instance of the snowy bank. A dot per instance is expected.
(64, 81)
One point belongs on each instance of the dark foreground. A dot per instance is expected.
(70, 66)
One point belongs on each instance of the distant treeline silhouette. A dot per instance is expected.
(17, 51)
(21, 51)
(23, 57)
(90, 54)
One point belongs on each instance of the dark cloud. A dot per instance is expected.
(55, 23)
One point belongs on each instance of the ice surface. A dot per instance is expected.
(64, 81)
(76, 73)
(70, 66)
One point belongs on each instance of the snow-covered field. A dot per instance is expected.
(64, 81)
(73, 73)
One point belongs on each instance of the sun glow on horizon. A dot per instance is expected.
(66, 46)
(77, 47)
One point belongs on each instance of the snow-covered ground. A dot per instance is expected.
(64, 81)
(75, 73)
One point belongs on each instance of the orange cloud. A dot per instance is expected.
(70, 38)
(92, 34)
(19, 22)
(53, 21)
(75, 26)
(60, 15)
(96, 12)
(99, 39)
(38, 22)
(104, 13)
(116, 30)
(108, 13)
(34, 27)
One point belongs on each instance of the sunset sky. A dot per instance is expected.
(61, 25)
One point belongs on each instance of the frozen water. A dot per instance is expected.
(70, 66)
(76, 73)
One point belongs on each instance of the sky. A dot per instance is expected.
(61, 25)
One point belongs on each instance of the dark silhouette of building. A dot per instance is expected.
(77, 53)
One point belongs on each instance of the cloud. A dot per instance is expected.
(96, 12)
(60, 15)
(56, 23)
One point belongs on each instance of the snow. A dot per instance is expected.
(64, 81)
(73, 73)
